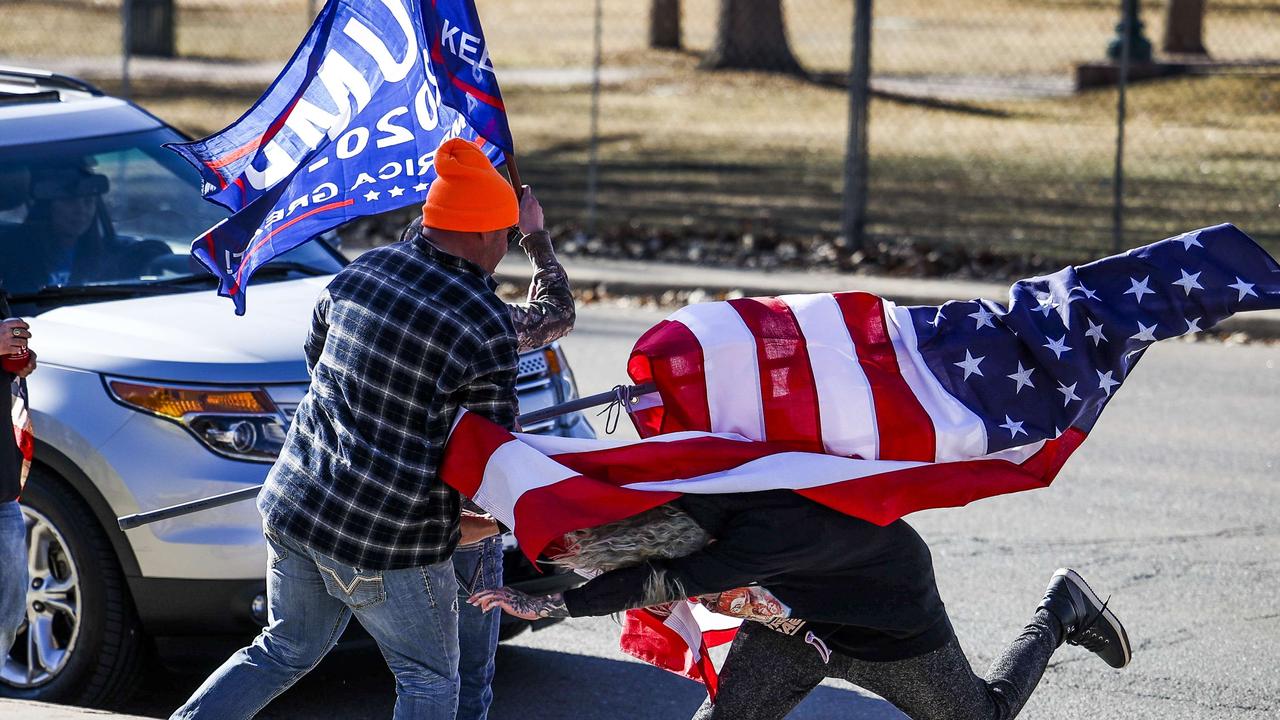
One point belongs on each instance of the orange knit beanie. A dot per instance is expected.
(469, 195)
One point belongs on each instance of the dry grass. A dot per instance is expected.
(977, 37)
(724, 151)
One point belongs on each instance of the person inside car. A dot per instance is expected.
(62, 235)
(15, 186)
(67, 237)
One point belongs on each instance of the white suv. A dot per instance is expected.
(150, 390)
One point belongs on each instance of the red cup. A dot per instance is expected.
(16, 362)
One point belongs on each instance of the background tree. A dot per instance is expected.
(664, 24)
(1184, 27)
(151, 27)
(751, 35)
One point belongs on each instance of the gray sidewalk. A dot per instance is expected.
(623, 277)
(25, 710)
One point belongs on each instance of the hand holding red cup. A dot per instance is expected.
(15, 356)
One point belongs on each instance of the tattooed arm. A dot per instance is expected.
(549, 313)
(514, 602)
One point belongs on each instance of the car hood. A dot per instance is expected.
(186, 337)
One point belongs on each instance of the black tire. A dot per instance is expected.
(107, 658)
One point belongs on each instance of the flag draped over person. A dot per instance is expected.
(349, 128)
(871, 409)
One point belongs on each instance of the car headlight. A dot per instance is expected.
(559, 369)
(240, 423)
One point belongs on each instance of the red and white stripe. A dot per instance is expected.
(826, 395)
(677, 637)
(838, 373)
(22, 430)
(545, 486)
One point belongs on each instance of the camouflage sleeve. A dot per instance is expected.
(549, 313)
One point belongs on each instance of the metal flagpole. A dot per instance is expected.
(126, 30)
(1117, 186)
(593, 153)
(624, 394)
(854, 218)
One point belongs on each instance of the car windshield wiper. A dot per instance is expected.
(202, 279)
(53, 292)
(156, 287)
(270, 269)
(284, 268)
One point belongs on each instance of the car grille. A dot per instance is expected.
(531, 365)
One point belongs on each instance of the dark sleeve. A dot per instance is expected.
(750, 550)
(623, 589)
(697, 574)
(319, 331)
(549, 313)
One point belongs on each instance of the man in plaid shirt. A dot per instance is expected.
(357, 519)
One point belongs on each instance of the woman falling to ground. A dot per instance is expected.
(828, 595)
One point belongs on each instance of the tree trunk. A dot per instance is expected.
(664, 24)
(1184, 27)
(751, 35)
(151, 26)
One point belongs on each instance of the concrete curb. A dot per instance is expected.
(623, 277)
(28, 710)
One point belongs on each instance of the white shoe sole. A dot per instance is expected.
(1107, 615)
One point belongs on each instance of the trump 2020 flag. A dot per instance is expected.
(871, 409)
(349, 128)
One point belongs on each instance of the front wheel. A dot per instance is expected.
(81, 643)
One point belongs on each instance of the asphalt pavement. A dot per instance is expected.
(1170, 507)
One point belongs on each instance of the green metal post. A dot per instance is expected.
(1130, 24)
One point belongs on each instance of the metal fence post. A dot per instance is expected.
(126, 11)
(855, 157)
(593, 161)
(1129, 11)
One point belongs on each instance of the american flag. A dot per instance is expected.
(869, 408)
(21, 416)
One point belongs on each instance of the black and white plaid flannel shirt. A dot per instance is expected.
(401, 339)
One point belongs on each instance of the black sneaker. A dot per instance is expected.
(1086, 620)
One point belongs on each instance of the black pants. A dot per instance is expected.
(768, 673)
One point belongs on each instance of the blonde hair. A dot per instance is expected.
(661, 533)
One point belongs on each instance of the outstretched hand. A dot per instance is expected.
(518, 604)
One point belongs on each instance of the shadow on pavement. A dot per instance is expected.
(353, 683)
(535, 684)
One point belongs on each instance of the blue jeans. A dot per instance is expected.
(411, 613)
(478, 567)
(13, 573)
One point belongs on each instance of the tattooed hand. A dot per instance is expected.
(514, 602)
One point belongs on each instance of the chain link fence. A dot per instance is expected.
(984, 144)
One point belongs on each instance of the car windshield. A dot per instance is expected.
(113, 215)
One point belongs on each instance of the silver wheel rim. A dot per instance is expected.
(48, 636)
